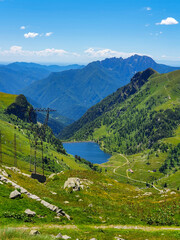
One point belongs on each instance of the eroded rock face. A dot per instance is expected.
(76, 183)
(14, 194)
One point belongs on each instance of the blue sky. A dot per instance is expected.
(80, 31)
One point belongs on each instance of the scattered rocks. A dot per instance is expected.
(76, 184)
(1, 183)
(60, 236)
(4, 173)
(30, 213)
(52, 175)
(14, 194)
(90, 205)
(172, 193)
(66, 202)
(147, 194)
(34, 232)
(54, 193)
(93, 239)
(80, 200)
(119, 238)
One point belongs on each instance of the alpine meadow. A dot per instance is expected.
(89, 120)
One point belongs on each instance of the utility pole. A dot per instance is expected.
(47, 111)
(42, 157)
(35, 157)
(0, 148)
(30, 155)
(15, 153)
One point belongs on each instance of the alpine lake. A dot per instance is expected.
(87, 150)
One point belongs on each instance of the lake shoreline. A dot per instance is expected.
(79, 142)
(88, 150)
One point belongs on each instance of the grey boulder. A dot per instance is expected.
(34, 232)
(30, 213)
(60, 236)
(14, 194)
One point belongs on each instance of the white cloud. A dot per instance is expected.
(31, 35)
(18, 50)
(148, 8)
(168, 21)
(48, 34)
(17, 53)
(107, 53)
(22, 27)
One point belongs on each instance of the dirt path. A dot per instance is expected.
(135, 227)
(127, 175)
(138, 227)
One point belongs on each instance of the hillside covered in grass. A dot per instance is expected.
(22, 139)
(135, 117)
(103, 207)
(140, 120)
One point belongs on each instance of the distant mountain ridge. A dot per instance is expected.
(18, 75)
(72, 92)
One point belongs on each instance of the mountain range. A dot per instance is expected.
(133, 118)
(72, 92)
(18, 75)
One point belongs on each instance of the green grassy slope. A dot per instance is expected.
(105, 203)
(6, 99)
(10, 125)
(116, 120)
(143, 124)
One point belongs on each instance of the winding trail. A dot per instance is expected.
(127, 175)
(135, 227)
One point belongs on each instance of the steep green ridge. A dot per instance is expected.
(20, 108)
(135, 116)
(14, 120)
(108, 103)
(73, 92)
(144, 125)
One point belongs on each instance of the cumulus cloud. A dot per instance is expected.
(48, 34)
(31, 35)
(17, 53)
(148, 8)
(22, 27)
(107, 53)
(18, 50)
(168, 21)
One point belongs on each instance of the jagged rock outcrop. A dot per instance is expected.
(76, 183)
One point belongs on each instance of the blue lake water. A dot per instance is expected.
(87, 150)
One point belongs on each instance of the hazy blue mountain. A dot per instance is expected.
(18, 75)
(73, 92)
